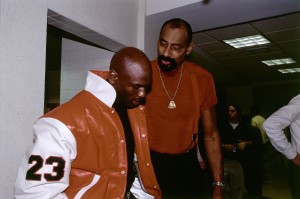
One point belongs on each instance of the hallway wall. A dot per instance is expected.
(77, 60)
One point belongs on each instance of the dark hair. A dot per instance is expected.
(179, 23)
(237, 107)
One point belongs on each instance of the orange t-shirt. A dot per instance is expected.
(171, 130)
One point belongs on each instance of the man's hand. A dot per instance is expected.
(241, 146)
(296, 160)
(229, 147)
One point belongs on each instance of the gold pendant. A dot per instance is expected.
(172, 105)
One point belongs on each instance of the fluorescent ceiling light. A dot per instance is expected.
(279, 61)
(253, 40)
(289, 70)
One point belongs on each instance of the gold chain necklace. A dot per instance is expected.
(172, 102)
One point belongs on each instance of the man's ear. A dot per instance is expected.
(112, 77)
(190, 48)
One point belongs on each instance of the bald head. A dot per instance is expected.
(130, 75)
(129, 59)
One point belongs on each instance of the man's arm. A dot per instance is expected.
(277, 122)
(212, 144)
(45, 168)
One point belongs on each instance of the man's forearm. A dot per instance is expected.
(213, 150)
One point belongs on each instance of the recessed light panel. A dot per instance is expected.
(274, 62)
(248, 41)
(289, 70)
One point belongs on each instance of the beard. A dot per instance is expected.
(169, 67)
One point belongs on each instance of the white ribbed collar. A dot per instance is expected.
(100, 88)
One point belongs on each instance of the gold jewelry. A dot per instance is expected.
(172, 104)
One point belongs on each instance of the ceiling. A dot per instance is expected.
(213, 21)
(244, 66)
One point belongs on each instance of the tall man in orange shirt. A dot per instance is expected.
(182, 94)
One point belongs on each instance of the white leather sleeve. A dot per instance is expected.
(45, 167)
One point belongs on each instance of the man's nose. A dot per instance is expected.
(168, 51)
(142, 92)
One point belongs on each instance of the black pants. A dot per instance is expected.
(294, 179)
(251, 162)
(179, 176)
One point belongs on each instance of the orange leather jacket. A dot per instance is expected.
(101, 148)
(83, 143)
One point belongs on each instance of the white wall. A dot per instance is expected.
(22, 50)
(151, 37)
(156, 6)
(77, 59)
(152, 29)
(22, 54)
(116, 19)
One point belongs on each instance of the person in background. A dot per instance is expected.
(95, 145)
(234, 179)
(236, 141)
(275, 126)
(182, 94)
(242, 144)
(257, 120)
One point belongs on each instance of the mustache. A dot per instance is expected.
(161, 57)
(166, 68)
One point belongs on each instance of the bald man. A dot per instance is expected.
(96, 144)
